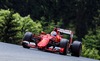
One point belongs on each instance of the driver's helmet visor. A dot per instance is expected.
(53, 33)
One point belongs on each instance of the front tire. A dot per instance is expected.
(25, 45)
(27, 37)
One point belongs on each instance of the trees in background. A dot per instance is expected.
(13, 26)
(91, 45)
(8, 27)
(27, 24)
(79, 13)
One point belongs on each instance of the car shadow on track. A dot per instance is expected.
(48, 52)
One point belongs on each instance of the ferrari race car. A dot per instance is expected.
(57, 41)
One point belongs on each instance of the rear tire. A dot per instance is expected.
(64, 44)
(76, 48)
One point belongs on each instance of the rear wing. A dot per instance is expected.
(65, 31)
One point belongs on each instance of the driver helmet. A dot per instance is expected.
(53, 33)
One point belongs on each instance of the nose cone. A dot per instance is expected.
(43, 43)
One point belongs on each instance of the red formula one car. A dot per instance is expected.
(57, 41)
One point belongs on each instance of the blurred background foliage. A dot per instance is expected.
(13, 26)
(91, 45)
(80, 16)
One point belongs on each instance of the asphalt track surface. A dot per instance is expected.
(10, 52)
